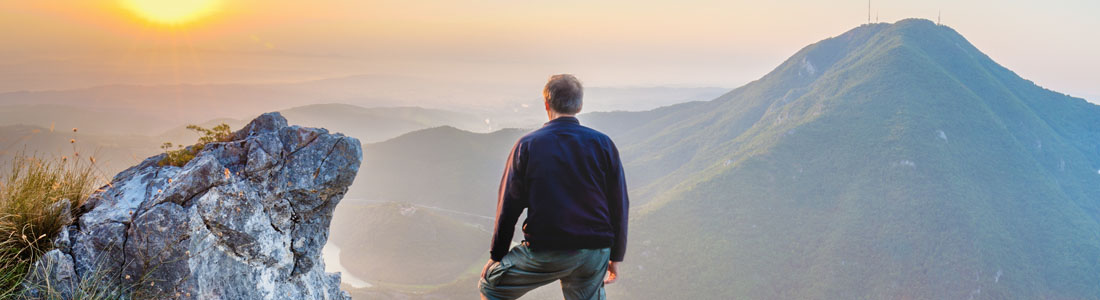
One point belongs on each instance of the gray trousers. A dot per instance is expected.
(581, 273)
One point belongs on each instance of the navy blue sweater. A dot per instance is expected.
(570, 180)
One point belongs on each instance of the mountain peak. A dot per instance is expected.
(891, 161)
(867, 41)
(915, 22)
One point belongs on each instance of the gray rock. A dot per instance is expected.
(245, 219)
(51, 277)
(64, 209)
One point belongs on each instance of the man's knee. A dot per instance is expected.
(488, 293)
(488, 285)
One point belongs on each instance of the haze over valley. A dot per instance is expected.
(887, 160)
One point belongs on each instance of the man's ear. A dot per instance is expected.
(546, 105)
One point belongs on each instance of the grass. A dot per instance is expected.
(91, 286)
(32, 211)
(33, 197)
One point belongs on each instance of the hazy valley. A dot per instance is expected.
(891, 161)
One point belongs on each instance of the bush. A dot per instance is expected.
(184, 154)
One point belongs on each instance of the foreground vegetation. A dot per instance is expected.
(37, 199)
(184, 154)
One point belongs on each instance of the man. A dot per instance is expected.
(570, 180)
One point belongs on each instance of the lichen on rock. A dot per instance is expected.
(245, 219)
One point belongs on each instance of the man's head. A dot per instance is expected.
(563, 94)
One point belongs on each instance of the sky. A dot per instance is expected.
(65, 44)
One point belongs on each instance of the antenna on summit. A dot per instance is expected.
(868, 11)
(939, 16)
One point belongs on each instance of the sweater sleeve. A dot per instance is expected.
(510, 203)
(618, 203)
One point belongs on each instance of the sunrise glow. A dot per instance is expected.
(171, 12)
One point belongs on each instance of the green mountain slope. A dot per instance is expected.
(440, 167)
(406, 245)
(893, 161)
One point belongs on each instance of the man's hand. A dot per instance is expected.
(612, 272)
(486, 268)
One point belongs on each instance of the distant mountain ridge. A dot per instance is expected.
(148, 109)
(457, 164)
(891, 161)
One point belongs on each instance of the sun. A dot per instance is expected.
(171, 12)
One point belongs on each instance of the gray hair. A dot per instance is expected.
(564, 93)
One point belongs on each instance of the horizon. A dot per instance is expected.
(649, 44)
(779, 150)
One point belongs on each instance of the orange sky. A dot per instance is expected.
(59, 44)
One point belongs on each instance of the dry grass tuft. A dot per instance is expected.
(33, 210)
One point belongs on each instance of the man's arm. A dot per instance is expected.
(510, 203)
(618, 203)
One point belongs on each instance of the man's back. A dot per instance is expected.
(570, 179)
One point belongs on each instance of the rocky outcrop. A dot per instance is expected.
(245, 219)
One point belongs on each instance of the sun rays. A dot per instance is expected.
(171, 12)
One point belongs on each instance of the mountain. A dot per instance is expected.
(374, 124)
(120, 139)
(644, 98)
(112, 153)
(175, 104)
(406, 245)
(381, 123)
(129, 109)
(184, 103)
(892, 161)
(441, 167)
(87, 119)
